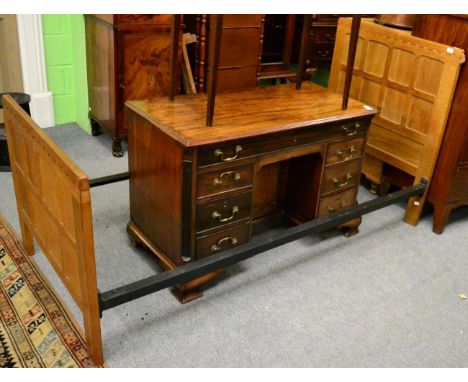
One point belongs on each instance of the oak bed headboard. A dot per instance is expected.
(54, 208)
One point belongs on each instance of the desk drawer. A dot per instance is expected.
(220, 241)
(225, 180)
(322, 52)
(325, 35)
(344, 151)
(219, 213)
(341, 176)
(235, 151)
(337, 202)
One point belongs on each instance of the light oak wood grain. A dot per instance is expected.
(54, 208)
(411, 82)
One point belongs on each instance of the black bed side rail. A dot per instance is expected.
(258, 244)
(96, 182)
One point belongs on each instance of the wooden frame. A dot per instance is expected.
(388, 71)
(54, 208)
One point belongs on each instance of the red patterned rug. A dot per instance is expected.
(35, 329)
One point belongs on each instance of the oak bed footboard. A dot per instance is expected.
(54, 208)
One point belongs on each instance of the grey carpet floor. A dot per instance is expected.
(386, 297)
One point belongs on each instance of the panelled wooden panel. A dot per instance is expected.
(449, 188)
(411, 82)
(54, 208)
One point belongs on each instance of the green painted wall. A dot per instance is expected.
(65, 56)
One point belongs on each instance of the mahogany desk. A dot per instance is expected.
(274, 155)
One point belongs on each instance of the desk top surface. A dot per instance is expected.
(247, 113)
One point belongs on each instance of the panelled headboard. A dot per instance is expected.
(54, 208)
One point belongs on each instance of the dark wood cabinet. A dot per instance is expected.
(322, 40)
(449, 186)
(127, 58)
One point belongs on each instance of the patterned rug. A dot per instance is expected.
(35, 329)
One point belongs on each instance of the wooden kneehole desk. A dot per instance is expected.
(274, 156)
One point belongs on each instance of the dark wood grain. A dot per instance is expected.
(341, 176)
(231, 209)
(241, 234)
(262, 111)
(346, 150)
(156, 186)
(223, 181)
(127, 58)
(303, 51)
(175, 34)
(337, 202)
(215, 47)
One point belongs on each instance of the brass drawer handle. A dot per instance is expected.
(337, 183)
(349, 153)
(330, 37)
(218, 215)
(219, 180)
(348, 130)
(323, 54)
(331, 209)
(219, 153)
(218, 246)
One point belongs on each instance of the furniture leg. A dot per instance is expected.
(439, 219)
(191, 291)
(185, 292)
(351, 228)
(117, 150)
(27, 239)
(372, 169)
(374, 188)
(94, 128)
(384, 186)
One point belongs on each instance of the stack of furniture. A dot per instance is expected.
(449, 188)
(323, 35)
(275, 156)
(411, 82)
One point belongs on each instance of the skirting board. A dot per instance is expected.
(30, 38)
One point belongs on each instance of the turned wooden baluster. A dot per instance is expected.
(303, 51)
(175, 33)
(353, 41)
(216, 23)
